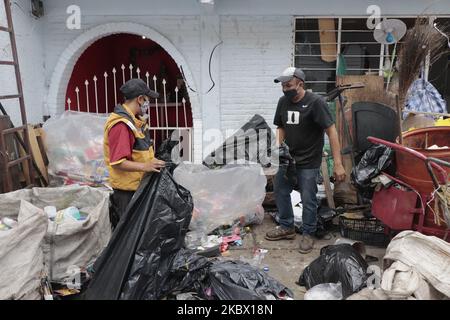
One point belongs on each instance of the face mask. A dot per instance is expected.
(290, 94)
(145, 106)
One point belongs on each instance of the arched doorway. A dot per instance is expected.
(110, 61)
(65, 77)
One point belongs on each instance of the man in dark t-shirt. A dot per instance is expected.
(302, 118)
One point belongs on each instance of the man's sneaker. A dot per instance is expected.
(306, 244)
(280, 233)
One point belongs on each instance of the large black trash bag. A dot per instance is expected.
(136, 262)
(236, 280)
(237, 146)
(337, 263)
(187, 273)
(164, 151)
(374, 160)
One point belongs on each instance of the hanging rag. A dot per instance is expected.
(423, 97)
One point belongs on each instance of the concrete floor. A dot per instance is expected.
(284, 261)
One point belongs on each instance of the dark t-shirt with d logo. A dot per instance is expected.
(304, 123)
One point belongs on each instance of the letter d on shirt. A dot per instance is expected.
(293, 117)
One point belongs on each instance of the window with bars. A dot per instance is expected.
(319, 41)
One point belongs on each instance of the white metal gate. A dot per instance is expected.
(164, 118)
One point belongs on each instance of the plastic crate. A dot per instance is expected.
(369, 231)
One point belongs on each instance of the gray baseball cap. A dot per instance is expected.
(134, 88)
(290, 73)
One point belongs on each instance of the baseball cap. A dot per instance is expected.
(290, 73)
(137, 87)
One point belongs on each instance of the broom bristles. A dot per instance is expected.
(419, 41)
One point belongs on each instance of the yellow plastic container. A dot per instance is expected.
(442, 123)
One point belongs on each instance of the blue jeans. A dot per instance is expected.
(307, 181)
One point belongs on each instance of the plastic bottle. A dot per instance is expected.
(51, 212)
(73, 213)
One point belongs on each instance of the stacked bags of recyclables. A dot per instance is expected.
(36, 244)
(74, 146)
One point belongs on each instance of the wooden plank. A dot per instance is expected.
(25, 172)
(18, 161)
(40, 138)
(328, 46)
(36, 152)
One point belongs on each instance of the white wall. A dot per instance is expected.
(255, 50)
(330, 7)
(29, 38)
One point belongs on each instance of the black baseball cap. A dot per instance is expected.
(134, 88)
(290, 73)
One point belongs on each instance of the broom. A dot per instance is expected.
(419, 42)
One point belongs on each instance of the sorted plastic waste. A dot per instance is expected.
(337, 263)
(325, 291)
(68, 242)
(222, 195)
(76, 158)
(21, 256)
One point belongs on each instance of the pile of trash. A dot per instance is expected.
(146, 258)
(76, 158)
(376, 159)
(59, 231)
(415, 267)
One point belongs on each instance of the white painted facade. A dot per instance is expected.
(256, 36)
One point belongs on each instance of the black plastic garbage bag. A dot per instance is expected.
(164, 151)
(236, 280)
(374, 160)
(237, 146)
(337, 263)
(187, 273)
(136, 263)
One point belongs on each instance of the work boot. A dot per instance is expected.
(306, 244)
(280, 233)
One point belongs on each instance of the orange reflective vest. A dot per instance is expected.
(142, 149)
